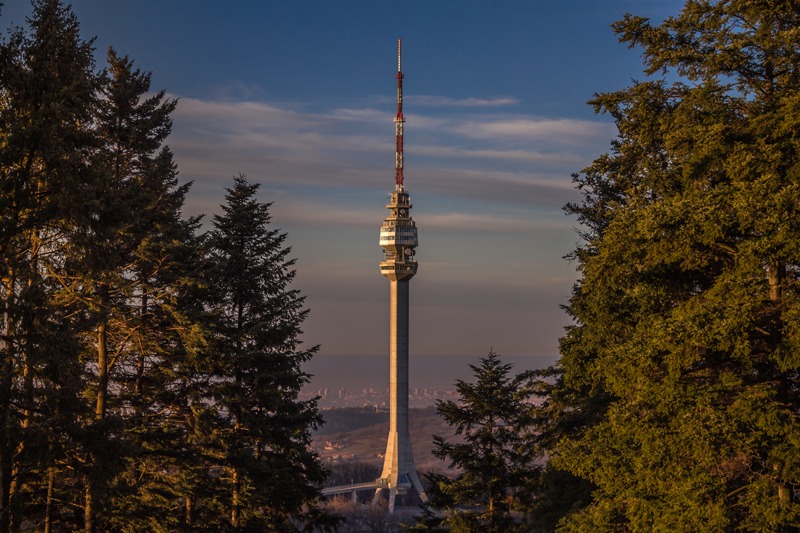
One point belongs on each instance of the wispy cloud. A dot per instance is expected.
(445, 101)
(298, 212)
(508, 160)
(563, 131)
(508, 189)
(530, 156)
(373, 116)
(487, 224)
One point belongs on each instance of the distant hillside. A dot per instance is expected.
(360, 435)
(350, 419)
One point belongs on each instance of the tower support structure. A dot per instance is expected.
(398, 238)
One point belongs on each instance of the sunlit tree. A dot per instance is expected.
(686, 315)
(47, 100)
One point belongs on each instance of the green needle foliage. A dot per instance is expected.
(149, 376)
(272, 475)
(47, 101)
(682, 366)
(495, 461)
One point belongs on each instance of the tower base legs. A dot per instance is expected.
(415, 482)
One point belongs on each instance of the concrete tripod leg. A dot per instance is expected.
(392, 496)
(418, 485)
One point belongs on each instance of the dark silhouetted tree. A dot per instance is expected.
(493, 416)
(149, 377)
(272, 475)
(47, 102)
(140, 273)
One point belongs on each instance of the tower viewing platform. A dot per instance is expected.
(398, 238)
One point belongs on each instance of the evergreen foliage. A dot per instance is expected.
(495, 459)
(149, 376)
(48, 97)
(272, 474)
(677, 392)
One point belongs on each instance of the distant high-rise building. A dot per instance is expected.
(398, 238)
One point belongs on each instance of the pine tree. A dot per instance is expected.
(686, 313)
(271, 474)
(143, 369)
(136, 267)
(47, 100)
(494, 460)
(94, 263)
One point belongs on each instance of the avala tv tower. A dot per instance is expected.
(398, 239)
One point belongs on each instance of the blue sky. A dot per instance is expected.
(299, 96)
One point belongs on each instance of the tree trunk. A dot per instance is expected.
(16, 473)
(6, 423)
(189, 506)
(235, 499)
(27, 400)
(776, 273)
(235, 490)
(102, 356)
(48, 510)
(88, 508)
(100, 406)
(237, 418)
(138, 388)
(775, 278)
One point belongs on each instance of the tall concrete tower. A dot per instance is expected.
(399, 239)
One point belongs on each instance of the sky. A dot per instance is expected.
(300, 97)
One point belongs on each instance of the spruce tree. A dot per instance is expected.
(143, 369)
(493, 417)
(95, 264)
(686, 314)
(271, 474)
(47, 91)
(136, 268)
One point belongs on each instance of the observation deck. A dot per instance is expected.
(398, 238)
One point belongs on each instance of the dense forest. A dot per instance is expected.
(685, 356)
(149, 373)
(675, 403)
(150, 370)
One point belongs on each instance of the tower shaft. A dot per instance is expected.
(398, 355)
(398, 466)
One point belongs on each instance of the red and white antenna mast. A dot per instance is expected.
(398, 124)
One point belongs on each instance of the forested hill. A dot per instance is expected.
(346, 419)
(359, 435)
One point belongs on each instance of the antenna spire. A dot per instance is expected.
(398, 124)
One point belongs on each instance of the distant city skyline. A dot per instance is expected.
(299, 96)
(356, 372)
